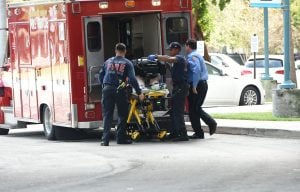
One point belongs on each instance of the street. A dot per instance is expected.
(30, 163)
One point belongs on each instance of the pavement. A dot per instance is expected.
(276, 129)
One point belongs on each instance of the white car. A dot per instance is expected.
(226, 63)
(276, 67)
(224, 89)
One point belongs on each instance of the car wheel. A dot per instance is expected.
(49, 128)
(250, 96)
(4, 131)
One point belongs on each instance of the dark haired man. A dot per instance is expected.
(197, 77)
(115, 73)
(180, 90)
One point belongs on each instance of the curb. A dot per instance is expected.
(257, 132)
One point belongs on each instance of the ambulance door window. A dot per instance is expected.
(94, 36)
(177, 29)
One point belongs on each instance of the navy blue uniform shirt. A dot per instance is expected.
(179, 70)
(124, 69)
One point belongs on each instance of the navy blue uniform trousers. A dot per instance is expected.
(195, 108)
(110, 97)
(179, 93)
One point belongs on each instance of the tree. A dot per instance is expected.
(202, 20)
(295, 16)
(234, 26)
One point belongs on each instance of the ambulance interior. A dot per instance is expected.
(141, 34)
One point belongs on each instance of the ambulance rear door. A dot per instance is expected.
(94, 52)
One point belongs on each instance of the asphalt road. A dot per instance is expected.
(29, 163)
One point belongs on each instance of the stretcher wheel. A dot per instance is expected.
(136, 135)
(161, 135)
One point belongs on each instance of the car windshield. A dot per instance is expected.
(260, 63)
(230, 61)
(216, 61)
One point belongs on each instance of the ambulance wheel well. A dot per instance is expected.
(42, 112)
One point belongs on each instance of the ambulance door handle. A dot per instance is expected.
(27, 41)
(90, 77)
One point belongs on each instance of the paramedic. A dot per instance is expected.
(114, 75)
(197, 77)
(180, 90)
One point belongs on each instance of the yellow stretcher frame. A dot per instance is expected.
(144, 117)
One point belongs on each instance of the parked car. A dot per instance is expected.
(228, 65)
(224, 89)
(297, 64)
(276, 67)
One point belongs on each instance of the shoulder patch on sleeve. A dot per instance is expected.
(194, 58)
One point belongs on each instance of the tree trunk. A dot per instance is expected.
(198, 35)
(293, 76)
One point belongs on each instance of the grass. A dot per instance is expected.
(261, 116)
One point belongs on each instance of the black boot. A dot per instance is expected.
(197, 135)
(104, 143)
(182, 137)
(212, 129)
(171, 136)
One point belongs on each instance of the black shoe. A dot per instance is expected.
(104, 143)
(124, 142)
(197, 136)
(212, 129)
(180, 138)
(171, 136)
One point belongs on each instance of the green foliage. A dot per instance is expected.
(295, 13)
(203, 17)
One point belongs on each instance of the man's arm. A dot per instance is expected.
(195, 68)
(164, 58)
(102, 73)
(132, 79)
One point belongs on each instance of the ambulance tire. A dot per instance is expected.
(4, 131)
(49, 128)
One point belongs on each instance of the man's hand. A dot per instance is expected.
(152, 57)
(195, 90)
(141, 97)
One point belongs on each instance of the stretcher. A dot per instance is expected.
(141, 121)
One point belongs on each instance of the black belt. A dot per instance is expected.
(201, 81)
(109, 85)
(179, 83)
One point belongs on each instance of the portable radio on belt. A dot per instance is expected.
(122, 84)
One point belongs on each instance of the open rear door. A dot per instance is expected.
(176, 27)
(94, 53)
